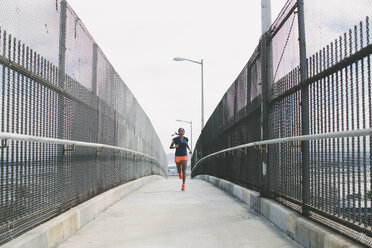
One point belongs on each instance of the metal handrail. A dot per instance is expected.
(343, 134)
(21, 137)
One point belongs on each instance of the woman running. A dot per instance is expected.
(180, 144)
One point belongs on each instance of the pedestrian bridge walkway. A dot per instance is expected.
(294, 125)
(160, 215)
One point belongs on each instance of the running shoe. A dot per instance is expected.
(183, 187)
(180, 176)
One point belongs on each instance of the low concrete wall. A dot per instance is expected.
(306, 232)
(55, 231)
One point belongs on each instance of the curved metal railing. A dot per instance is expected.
(343, 134)
(21, 137)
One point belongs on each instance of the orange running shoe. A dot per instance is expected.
(183, 187)
(180, 176)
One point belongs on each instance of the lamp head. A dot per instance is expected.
(178, 59)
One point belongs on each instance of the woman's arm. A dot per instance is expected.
(189, 148)
(173, 146)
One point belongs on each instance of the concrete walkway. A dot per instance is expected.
(161, 215)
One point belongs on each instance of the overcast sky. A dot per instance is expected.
(141, 38)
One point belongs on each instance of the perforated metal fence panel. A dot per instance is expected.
(327, 90)
(72, 93)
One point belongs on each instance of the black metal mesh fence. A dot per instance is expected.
(328, 180)
(284, 42)
(79, 97)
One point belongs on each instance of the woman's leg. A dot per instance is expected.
(178, 167)
(184, 165)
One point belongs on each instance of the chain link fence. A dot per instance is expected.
(310, 74)
(56, 82)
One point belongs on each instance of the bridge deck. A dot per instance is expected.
(161, 215)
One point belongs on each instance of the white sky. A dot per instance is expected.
(141, 38)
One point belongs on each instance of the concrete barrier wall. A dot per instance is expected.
(306, 232)
(60, 228)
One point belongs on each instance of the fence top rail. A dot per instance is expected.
(343, 134)
(28, 138)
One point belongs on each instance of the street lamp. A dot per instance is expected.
(202, 87)
(189, 122)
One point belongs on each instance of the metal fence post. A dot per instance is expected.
(304, 107)
(264, 112)
(61, 84)
(94, 69)
(96, 113)
(61, 65)
(249, 85)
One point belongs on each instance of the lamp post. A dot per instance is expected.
(202, 87)
(189, 122)
(265, 15)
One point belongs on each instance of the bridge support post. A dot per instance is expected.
(61, 105)
(265, 75)
(304, 108)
